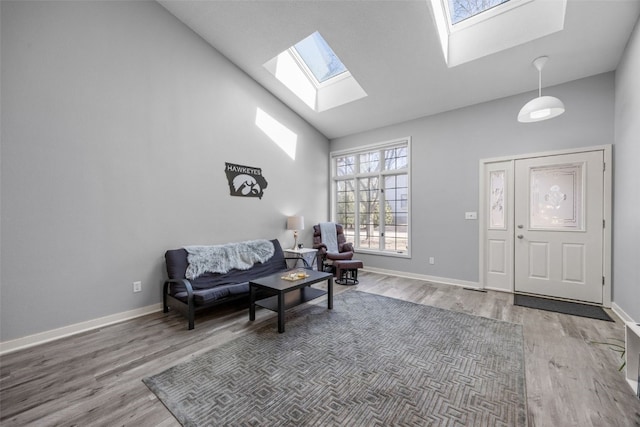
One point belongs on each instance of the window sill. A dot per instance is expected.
(381, 253)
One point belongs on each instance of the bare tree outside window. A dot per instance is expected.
(346, 207)
(369, 231)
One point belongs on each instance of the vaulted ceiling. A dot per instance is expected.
(392, 49)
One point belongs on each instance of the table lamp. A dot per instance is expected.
(295, 223)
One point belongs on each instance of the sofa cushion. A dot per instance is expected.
(177, 263)
(205, 296)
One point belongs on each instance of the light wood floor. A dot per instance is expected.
(95, 378)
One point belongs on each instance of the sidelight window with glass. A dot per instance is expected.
(371, 197)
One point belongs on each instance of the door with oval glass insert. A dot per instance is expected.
(559, 226)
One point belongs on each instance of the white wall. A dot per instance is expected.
(446, 149)
(117, 121)
(626, 205)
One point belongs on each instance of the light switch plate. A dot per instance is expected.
(471, 215)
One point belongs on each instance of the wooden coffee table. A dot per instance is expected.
(287, 294)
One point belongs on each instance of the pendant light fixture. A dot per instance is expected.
(542, 107)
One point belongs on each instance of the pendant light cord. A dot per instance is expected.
(539, 83)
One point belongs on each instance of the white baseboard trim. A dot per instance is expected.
(621, 313)
(55, 334)
(435, 279)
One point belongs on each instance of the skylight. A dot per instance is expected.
(319, 58)
(314, 73)
(472, 29)
(459, 10)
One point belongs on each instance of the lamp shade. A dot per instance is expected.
(295, 223)
(541, 108)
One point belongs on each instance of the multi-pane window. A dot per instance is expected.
(371, 196)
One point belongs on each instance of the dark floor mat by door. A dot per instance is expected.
(565, 307)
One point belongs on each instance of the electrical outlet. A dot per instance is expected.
(432, 260)
(471, 215)
(137, 286)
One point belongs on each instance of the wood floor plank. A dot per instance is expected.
(95, 378)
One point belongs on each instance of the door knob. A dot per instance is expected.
(519, 236)
(520, 226)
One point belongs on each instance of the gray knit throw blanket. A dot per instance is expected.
(223, 258)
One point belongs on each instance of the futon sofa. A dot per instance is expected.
(190, 289)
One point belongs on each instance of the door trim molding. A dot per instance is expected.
(607, 212)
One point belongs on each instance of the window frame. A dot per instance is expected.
(381, 174)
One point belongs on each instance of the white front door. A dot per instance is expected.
(558, 230)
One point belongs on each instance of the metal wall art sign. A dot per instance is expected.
(245, 181)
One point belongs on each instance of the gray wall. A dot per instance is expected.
(626, 205)
(116, 124)
(446, 150)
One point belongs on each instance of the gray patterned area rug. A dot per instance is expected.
(372, 360)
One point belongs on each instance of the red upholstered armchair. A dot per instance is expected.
(326, 257)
